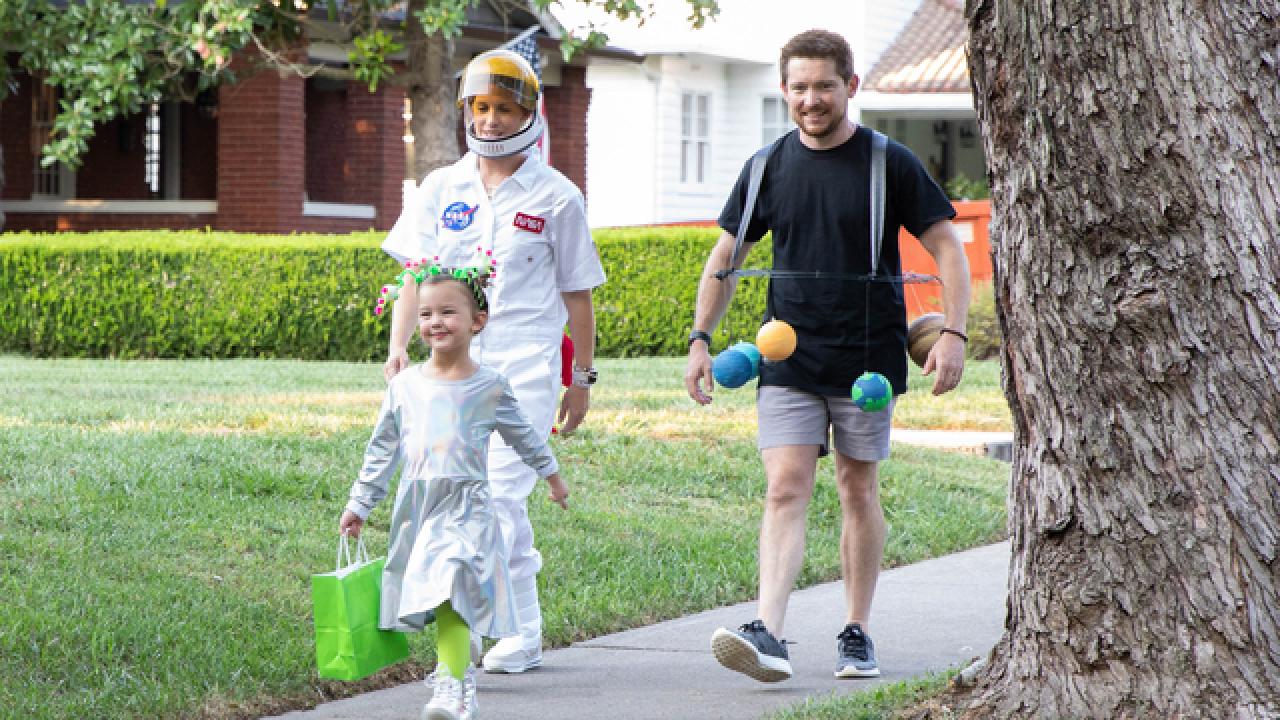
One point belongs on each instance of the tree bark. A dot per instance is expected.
(432, 96)
(1135, 173)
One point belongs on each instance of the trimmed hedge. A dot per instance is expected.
(226, 295)
(984, 326)
(646, 307)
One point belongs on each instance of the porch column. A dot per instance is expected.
(261, 158)
(567, 119)
(375, 160)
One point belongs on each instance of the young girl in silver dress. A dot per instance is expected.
(445, 559)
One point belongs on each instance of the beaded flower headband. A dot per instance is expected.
(474, 277)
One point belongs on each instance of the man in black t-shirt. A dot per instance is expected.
(815, 199)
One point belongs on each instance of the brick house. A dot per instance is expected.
(273, 153)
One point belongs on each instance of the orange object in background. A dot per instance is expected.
(971, 223)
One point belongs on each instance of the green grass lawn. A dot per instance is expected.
(878, 703)
(159, 520)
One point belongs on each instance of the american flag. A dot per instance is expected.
(526, 46)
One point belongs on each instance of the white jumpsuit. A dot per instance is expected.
(535, 224)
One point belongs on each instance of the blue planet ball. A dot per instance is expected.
(752, 352)
(732, 368)
(872, 392)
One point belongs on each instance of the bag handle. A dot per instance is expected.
(344, 550)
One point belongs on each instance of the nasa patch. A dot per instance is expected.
(458, 216)
(532, 223)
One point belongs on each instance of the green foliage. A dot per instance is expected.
(646, 307)
(208, 295)
(444, 16)
(108, 58)
(961, 187)
(369, 58)
(984, 327)
(215, 295)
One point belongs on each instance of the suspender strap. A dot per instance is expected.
(878, 145)
(754, 177)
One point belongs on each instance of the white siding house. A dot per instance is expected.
(919, 93)
(668, 133)
(667, 136)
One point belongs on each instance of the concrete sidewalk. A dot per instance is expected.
(997, 445)
(931, 616)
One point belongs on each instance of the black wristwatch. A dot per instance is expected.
(584, 377)
(699, 335)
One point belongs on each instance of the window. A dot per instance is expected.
(775, 120)
(695, 137)
(44, 108)
(151, 149)
(56, 181)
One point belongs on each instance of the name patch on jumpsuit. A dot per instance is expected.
(532, 223)
(458, 216)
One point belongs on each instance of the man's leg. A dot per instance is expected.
(790, 474)
(793, 433)
(861, 442)
(756, 649)
(861, 536)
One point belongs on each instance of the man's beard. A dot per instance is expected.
(836, 121)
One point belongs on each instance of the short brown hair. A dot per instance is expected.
(822, 44)
(472, 286)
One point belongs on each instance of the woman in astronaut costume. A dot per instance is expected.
(500, 198)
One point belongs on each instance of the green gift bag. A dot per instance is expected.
(345, 603)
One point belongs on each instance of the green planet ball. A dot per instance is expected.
(872, 392)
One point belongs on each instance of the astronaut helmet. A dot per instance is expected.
(493, 85)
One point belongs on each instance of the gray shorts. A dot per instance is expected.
(787, 416)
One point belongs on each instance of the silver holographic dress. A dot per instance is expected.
(445, 542)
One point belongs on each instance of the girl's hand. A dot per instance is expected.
(350, 524)
(559, 491)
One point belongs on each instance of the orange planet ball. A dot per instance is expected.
(922, 333)
(776, 340)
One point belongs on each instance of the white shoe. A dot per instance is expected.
(514, 654)
(471, 705)
(524, 651)
(450, 699)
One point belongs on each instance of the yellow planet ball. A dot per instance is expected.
(776, 340)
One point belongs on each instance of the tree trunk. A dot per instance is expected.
(432, 96)
(1135, 174)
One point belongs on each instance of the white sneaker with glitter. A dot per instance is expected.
(451, 699)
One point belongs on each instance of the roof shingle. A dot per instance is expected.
(928, 56)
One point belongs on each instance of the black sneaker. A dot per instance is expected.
(753, 651)
(856, 652)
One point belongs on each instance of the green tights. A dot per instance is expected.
(453, 640)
